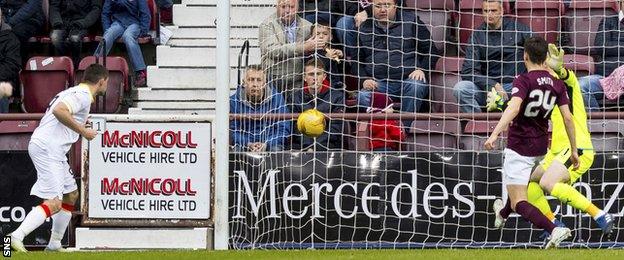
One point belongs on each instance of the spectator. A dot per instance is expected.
(316, 11)
(256, 97)
(318, 92)
(395, 50)
(24, 16)
(385, 134)
(128, 20)
(494, 57)
(595, 88)
(10, 63)
(610, 43)
(329, 56)
(282, 38)
(70, 21)
(353, 13)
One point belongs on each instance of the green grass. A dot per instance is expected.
(429, 254)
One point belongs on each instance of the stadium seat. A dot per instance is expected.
(477, 132)
(582, 65)
(118, 83)
(607, 135)
(436, 14)
(154, 26)
(470, 17)
(543, 17)
(43, 78)
(443, 79)
(15, 134)
(433, 135)
(361, 142)
(581, 21)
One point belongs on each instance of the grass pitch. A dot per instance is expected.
(429, 254)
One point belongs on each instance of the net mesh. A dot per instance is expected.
(401, 162)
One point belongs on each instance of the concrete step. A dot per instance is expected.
(234, 43)
(145, 111)
(176, 105)
(206, 15)
(232, 2)
(149, 94)
(159, 238)
(167, 56)
(209, 42)
(186, 77)
(210, 32)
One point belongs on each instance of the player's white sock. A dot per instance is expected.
(600, 214)
(60, 221)
(33, 220)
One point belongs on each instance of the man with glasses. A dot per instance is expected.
(493, 58)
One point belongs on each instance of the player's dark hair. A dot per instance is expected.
(94, 73)
(315, 63)
(536, 48)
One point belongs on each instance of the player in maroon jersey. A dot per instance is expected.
(534, 95)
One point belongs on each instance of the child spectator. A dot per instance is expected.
(329, 56)
(385, 134)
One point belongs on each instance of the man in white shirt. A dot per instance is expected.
(61, 126)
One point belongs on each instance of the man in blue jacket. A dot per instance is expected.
(494, 57)
(395, 50)
(24, 16)
(128, 19)
(255, 97)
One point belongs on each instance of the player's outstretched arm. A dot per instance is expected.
(62, 113)
(512, 110)
(569, 126)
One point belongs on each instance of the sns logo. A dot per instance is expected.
(6, 246)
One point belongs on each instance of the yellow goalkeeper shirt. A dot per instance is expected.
(560, 140)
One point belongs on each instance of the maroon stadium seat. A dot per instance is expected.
(471, 17)
(15, 134)
(582, 65)
(607, 135)
(42, 79)
(118, 83)
(542, 16)
(436, 14)
(361, 142)
(443, 79)
(433, 135)
(581, 21)
(477, 132)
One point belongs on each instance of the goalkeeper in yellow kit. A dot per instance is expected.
(558, 184)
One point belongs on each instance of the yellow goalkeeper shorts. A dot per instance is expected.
(586, 159)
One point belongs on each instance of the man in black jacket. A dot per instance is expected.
(70, 21)
(9, 63)
(319, 93)
(494, 57)
(394, 51)
(24, 16)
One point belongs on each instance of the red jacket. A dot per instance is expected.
(386, 133)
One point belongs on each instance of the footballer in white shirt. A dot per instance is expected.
(61, 126)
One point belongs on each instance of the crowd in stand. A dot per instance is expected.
(389, 50)
(69, 22)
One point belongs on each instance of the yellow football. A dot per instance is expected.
(311, 123)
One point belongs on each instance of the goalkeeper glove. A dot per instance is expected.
(555, 59)
(495, 102)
